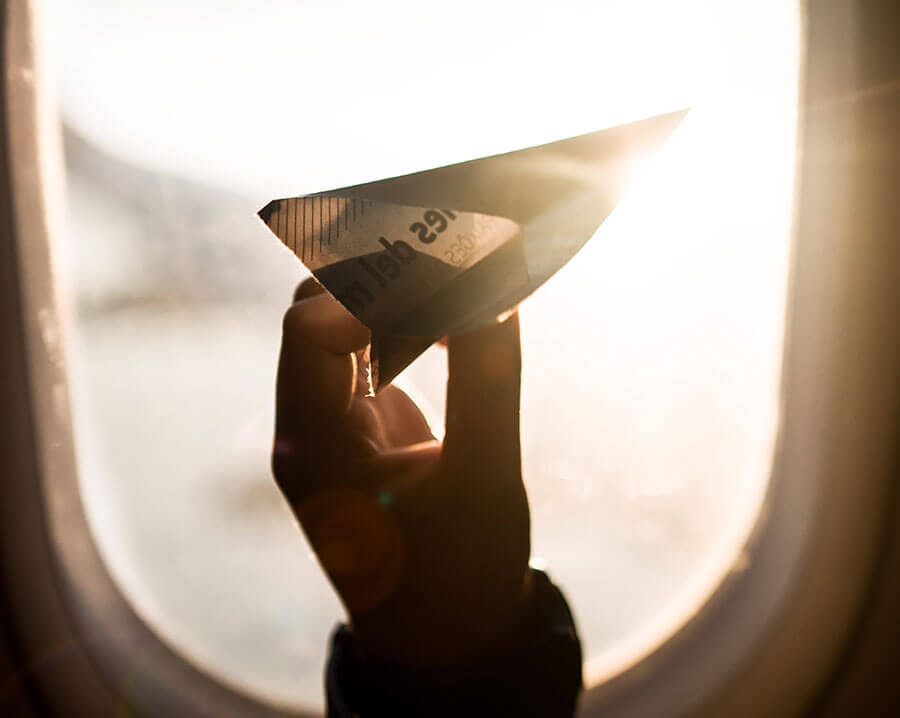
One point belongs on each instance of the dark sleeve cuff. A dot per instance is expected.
(538, 675)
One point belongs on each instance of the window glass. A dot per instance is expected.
(651, 362)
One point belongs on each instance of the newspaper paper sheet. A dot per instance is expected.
(439, 252)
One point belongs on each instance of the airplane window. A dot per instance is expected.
(651, 362)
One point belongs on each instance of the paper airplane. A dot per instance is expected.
(439, 252)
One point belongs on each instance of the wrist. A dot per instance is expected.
(465, 626)
(533, 669)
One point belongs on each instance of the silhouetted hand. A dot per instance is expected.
(426, 543)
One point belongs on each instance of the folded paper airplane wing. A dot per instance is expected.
(443, 251)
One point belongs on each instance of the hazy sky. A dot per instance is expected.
(650, 392)
(283, 97)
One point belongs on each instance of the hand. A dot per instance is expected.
(426, 543)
